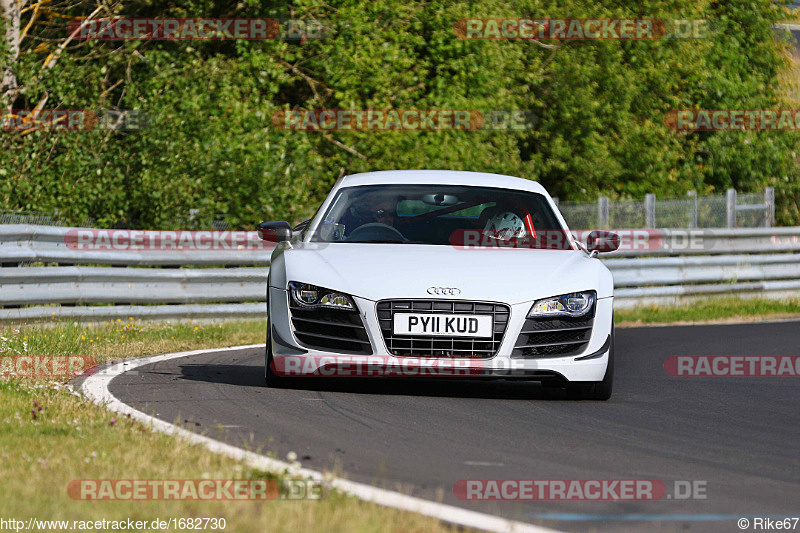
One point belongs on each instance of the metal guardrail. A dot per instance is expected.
(671, 242)
(84, 285)
(146, 284)
(21, 243)
(676, 280)
(152, 284)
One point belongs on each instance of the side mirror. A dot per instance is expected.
(275, 231)
(602, 241)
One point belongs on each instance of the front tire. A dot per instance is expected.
(601, 390)
(597, 390)
(271, 379)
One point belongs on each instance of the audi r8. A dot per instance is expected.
(440, 273)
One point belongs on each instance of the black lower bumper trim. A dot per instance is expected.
(599, 353)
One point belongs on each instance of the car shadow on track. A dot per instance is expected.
(253, 376)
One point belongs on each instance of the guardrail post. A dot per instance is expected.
(602, 212)
(731, 208)
(769, 202)
(650, 211)
(693, 214)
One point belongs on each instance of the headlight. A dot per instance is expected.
(311, 297)
(574, 304)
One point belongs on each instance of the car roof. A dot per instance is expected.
(441, 177)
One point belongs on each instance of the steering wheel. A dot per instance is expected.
(375, 231)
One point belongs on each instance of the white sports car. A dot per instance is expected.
(440, 274)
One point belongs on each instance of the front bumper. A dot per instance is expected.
(292, 358)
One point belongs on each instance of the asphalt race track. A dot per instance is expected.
(741, 436)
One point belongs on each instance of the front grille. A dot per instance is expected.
(426, 346)
(330, 329)
(553, 337)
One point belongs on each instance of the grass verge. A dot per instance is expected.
(709, 311)
(49, 437)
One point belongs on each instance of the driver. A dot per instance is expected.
(378, 208)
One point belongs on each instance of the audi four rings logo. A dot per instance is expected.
(444, 291)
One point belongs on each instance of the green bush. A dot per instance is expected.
(210, 146)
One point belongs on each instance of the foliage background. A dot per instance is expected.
(209, 144)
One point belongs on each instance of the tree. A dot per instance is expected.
(10, 14)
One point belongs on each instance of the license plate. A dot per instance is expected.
(440, 325)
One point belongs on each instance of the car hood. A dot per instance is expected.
(380, 271)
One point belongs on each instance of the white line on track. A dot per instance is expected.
(95, 387)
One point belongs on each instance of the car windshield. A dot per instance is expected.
(442, 215)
